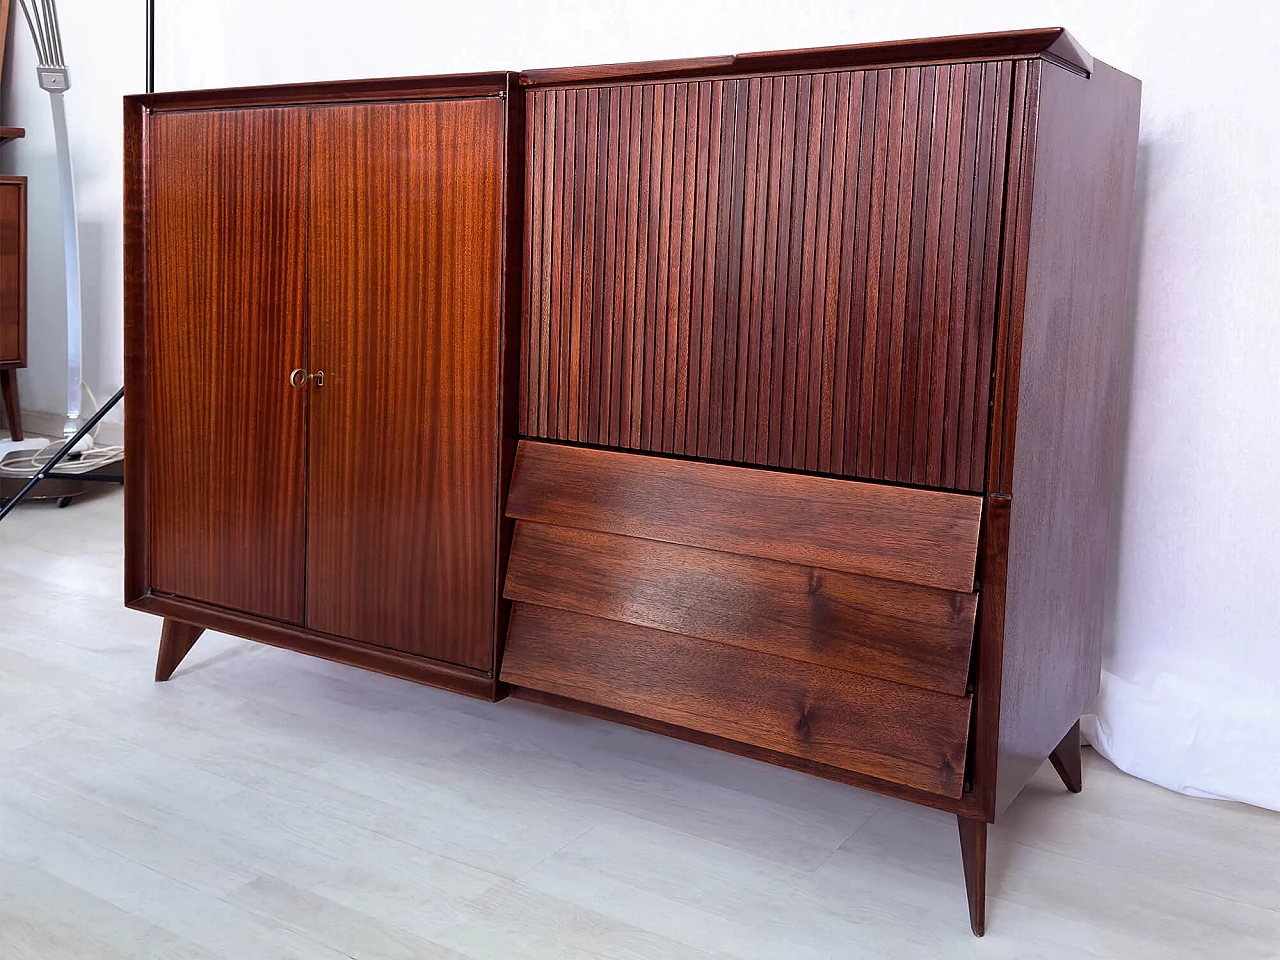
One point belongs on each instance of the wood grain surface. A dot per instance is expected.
(1067, 411)
(896, 631)
(13, 271)
(225, 276)
(405, 297)
(793, 271)
(1052, 43)
(176, 640)
(916, 536)
(903, 734)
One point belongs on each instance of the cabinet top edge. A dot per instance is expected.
(442, 86)
(1053, 43)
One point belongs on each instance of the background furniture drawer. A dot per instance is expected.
(888, 730)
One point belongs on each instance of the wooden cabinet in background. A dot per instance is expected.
(13, 293)
(316, 313)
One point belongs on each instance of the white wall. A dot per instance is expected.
(1191, 692)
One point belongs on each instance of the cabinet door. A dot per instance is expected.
(406, 204)
(792, 271)
(225, 274)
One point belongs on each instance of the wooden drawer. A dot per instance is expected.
(821, 618)
(888, 730)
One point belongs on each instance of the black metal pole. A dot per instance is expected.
(66, 449)
(151, 46)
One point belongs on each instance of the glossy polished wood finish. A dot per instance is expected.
(405, 323)
(787, 271)
(915, 536)
(973, 852)
(450, 339)
(1070, 344)
(13, 293)
(1053, 43)
(176, 640)
(225, 275)
(441, 87)
(903, 734)
(1066, 759)
(366, 656)
(895, 631)
(899, 263)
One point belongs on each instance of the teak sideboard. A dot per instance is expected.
(765, 401)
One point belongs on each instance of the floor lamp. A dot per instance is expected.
(42, 19)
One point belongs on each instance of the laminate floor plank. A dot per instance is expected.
(268, 805)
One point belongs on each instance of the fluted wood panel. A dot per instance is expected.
(797, 271)
(405, 267)
(225, 274)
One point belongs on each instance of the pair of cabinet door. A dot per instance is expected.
(361, 242)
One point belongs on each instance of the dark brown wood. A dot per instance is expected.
(747, 371)
(1066, 759)
(1067, 409)
(137, 426)
(880, 628)
(515, 183)
(441, 87)
(405, 324)
(225, 275)
(176, 640)
(186, 161)
(988, 655)
(916, 536)
(12, 408)
(894, 732)
(13, 292)
(11, 133)
(961, 805)
(1053, 43)
(366, 656)
(973, 851)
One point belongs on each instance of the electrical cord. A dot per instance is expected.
(85, 462)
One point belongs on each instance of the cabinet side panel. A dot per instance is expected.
(406, 270)
(1068, 394)
(136, 577)
(225, 224)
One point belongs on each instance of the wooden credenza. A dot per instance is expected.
(764, 401)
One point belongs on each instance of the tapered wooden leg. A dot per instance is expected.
(1066, 759)
(973, 850)
(176, 640)
(9, 387)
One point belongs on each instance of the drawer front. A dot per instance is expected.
(826, 619)
(897, 631)
(887, 730)
(912, 536)
(793, 271)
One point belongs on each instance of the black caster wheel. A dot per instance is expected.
(64, 502)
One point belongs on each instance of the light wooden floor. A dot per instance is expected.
(266, 805)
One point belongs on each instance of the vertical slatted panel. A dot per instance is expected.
(798, 271)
